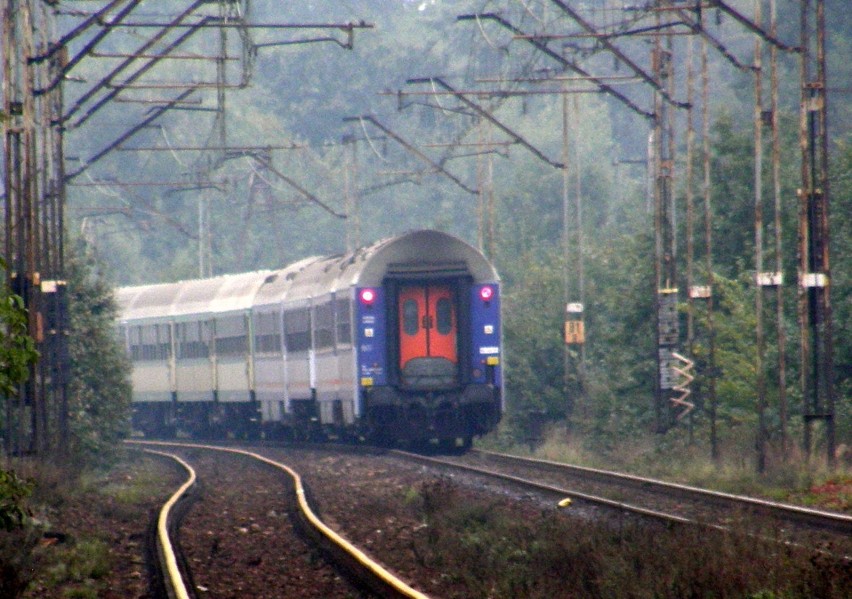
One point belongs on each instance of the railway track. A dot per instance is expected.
(170, 577)
(432, 524)
(365, 574)
(663, 501)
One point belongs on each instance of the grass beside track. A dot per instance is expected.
(795, 480)
(86, 536)
(551, 555)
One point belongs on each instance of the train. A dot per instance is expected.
(396, 344)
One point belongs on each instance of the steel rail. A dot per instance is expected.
(545, 488)
(175, 586)
(830, 521)
(815, 519)
(365, 568)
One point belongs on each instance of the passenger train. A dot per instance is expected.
(397, 343)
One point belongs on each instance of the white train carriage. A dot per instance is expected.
(189, 343)
(399, 341)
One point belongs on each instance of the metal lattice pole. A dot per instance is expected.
(813, 247)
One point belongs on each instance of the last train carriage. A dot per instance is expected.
(398, 343)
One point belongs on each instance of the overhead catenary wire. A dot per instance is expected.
(485, 35)
(438, 99)
(573, 65)
(529, 11)
(370, 141)
(412, 149)
(295, 185)
(36, 182)
(174, 154)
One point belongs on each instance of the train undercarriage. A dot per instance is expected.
(446, 421)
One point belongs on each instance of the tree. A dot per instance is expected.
(841, 283)
(17, 349)
(532, 316)
(620, 334)
(17, 354)
(99, 391)
(13, 493)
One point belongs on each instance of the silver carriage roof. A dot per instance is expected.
(417, 254)
(226, 293)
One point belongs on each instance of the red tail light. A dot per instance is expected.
(368, 296)
(486, 293)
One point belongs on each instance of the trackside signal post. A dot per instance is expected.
(575, 336)
(574, 325)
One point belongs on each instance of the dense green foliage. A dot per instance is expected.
(99, 389)
(841, 268)
(17, 354)
(17, 348)
(13, 492)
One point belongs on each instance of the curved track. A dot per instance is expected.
(354, 561)
(172, 577)
(660, 500)
(803, 517)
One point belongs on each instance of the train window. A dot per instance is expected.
(202, 347)
(193, 340)
(324, 325)
(180, 334)
(343, 319)
(164, 342)
(121, 333)
(410, 317)
(231, 346)
(149, 343)
(135, 343)
(267, 337)
(297, 329)
(148, 346)
(231, 337)
(444, 315)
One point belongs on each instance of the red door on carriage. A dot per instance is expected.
(428, 351)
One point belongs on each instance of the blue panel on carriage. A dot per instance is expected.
(485, 334)
(371, 324)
